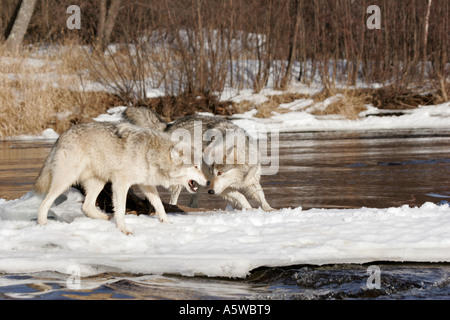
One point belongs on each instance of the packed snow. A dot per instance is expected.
(216, 243)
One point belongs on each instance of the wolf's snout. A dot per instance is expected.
(211, 191)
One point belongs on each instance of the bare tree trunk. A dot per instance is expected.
(20, 26)
(201, 48)
(229, 48)
(106, 22)
(303, 52)
(264, 51)
(293, 45)
(425, 38)
(315, 51)
(101, 23)
(111, 19)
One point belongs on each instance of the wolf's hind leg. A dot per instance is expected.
(152, 195)
(57, 187)
(236, 198)
(93, 187)
(256, 192)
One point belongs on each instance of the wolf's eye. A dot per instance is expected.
(219, 173)
(196, 167)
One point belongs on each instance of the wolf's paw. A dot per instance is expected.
(165, 220)
(126, 232)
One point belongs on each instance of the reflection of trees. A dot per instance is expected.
(356, 170)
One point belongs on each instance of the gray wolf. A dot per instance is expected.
(231, 169)
(144, 117)
(124, 154)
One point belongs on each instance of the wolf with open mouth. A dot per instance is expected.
(93, 154)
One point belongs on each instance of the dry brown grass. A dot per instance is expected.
(347, 103)
(267, 108)
(391, 97)
(349, 106)
(45, 92)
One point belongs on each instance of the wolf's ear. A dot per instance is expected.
(179, 153)
(176, 155)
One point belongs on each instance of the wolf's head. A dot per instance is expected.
(186, 169)
(234, 167)
(233, 176)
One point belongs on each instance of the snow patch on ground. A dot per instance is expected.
(216, 243)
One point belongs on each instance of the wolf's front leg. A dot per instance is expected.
(152, 195)
(119, 201)
(175, 193)
(236, 198)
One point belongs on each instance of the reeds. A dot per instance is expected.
(45, 92)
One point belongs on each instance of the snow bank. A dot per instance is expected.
(216, 243)
(47, 134)
(424, 117)
(300, 119)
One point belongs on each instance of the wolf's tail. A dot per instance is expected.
(44, 179)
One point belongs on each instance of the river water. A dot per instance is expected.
(316, 170)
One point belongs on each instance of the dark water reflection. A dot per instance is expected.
(20, 162)
(317, 170)
(371, 169)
